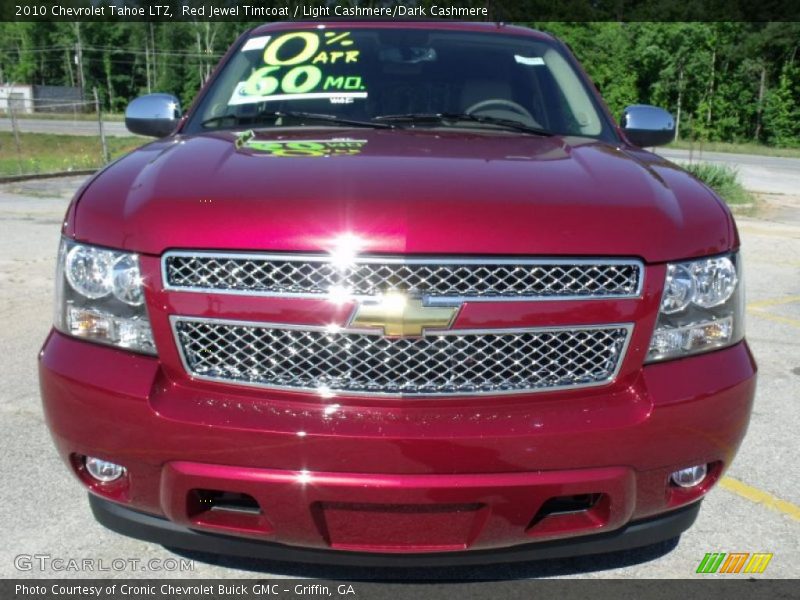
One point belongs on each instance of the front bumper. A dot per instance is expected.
(387, 479)
(151, 528)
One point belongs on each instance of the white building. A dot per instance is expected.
(17, 96)
(26, 98)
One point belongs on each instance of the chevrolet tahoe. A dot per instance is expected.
(397, 293)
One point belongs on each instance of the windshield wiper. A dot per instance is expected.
(295, 115)
(447, 118)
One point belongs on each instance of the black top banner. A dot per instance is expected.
(462, 10)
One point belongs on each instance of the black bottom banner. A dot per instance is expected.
(252, 589)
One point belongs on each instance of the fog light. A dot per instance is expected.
(690, 477)
(102, 470)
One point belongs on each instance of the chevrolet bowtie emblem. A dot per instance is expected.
(399, 315)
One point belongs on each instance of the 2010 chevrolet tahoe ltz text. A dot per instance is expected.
(397, 293)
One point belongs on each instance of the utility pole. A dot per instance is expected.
(106, 158)
(12, 112)
(79, 57)
(762, 88)
(68, 64)
(153, 54)
(147, 63)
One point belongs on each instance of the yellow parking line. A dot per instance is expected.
(759, 309)
(773, 302)
(761, 497)
(777, 318)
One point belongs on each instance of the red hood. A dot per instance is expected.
(404, 192)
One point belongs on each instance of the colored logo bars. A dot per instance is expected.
(734, 562)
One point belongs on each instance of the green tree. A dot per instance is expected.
(782, 110)
(604, 50)
(722, 81)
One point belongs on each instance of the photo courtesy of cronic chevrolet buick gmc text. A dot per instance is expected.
(397, 293)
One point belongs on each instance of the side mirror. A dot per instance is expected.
(154, 115)
(646, 125)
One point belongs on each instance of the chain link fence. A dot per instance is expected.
(49, 133)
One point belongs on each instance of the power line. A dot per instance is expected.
(166, 53)
(114, 49)
(95, 59)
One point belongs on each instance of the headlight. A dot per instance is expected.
(88, 271)
(715, 280)
(702, 308)
(100, 297)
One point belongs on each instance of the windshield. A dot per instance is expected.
(402, 77)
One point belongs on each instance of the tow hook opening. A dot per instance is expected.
(565, 505)
(203, 500)
(234, 512)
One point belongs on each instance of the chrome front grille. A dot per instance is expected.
(473, 279)
(465, 362)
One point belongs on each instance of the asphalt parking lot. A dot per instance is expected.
(43, 510)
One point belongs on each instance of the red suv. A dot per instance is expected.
(397, 293)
